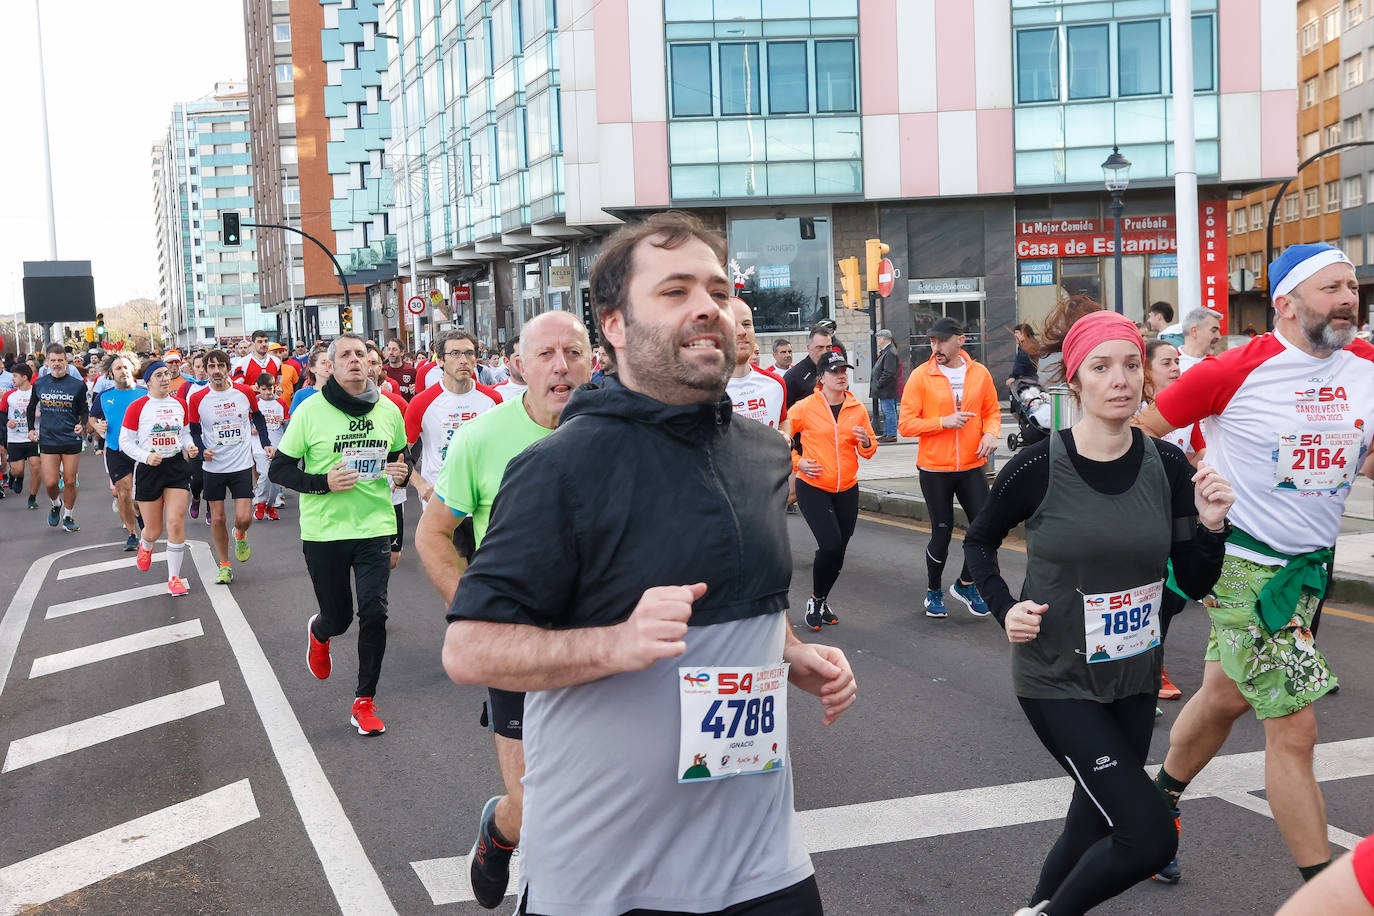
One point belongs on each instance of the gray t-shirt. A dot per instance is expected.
(607, 826)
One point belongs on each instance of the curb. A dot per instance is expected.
(1349, 587)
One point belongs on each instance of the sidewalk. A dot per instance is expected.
(888, 483)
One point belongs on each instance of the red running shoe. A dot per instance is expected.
(144, 560)
(272, 514)
(1167, 689)
(317, 656)
(364, 717)
(176, 587)
(259, 511)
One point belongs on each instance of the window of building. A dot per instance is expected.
(1204, 55)
(1311, 35)
(1354, 70)
(1290, 207)
(1352, 128)
(1256, 215)
(1137, 58)
(691, 80)
(193, 170)
(1354, 12)
(1037, 65)
(740, 78)
(1333, 134)
(291, 195)
(286, 73)
(1240, 222)
(787, 89)
(1311, 202)
(1309, 92)
(1331, 22)
(1354, 249)
(281, 32)
(1354, 191)
(288, 153)
(1256, 262)
(286, 112)
(836, 88)
(1311, 145)
(1333, 196)
(1330, 82)
(1088, 57)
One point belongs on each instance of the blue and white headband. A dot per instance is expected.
(1300, 262)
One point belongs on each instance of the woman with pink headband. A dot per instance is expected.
(1105, 507)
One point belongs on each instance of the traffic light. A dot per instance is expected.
(876, 250)
(231, 226)
(90, 335)
(100, 325)
(346, 317)
(849, 282)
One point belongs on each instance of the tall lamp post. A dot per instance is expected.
(410, 192)
(1116, 172)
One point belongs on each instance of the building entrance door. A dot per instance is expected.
(960, 298)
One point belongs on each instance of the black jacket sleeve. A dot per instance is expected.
(80, 408)
(260, 424)
(197, 436)
(286, 471)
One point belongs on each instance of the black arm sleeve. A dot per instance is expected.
(260, 424)
(32, 411)
(1016, 494)
(285, 470)
(80, 409)
(97, 411)
(1196, 553)
(196, 436)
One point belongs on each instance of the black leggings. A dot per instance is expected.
(1169, 607)
(1119, 829)
(328, 563)
(832, 517)
(801, 899)
(939, 488)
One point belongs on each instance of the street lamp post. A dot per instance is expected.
(410, 205)
(1116, 172)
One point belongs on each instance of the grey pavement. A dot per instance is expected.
(251, 793)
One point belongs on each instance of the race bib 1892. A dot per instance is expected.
(734, 722)
(1117, 625)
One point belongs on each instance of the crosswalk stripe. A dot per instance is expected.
(113, 648)
(98, 729)
(895, 820)
(49, 875)
(123, 596)
(107, 566)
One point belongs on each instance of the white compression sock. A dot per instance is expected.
(174, 555)
(145, 545)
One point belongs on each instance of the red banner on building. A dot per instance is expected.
(1212, 254)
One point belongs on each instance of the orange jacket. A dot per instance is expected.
(831, 441)
(928, 397)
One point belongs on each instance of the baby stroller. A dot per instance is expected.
(1031, 407)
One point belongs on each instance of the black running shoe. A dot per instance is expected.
(33, 502)
(814, 619)
(828, 616)
(489, 862)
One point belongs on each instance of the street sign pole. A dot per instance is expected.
(873, 299)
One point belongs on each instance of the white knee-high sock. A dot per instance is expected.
(174, 555)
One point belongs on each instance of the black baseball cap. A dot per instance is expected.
(833, 362)
(944, 328)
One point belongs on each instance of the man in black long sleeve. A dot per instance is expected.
(61, 398)
(801, 378)
(886, 381)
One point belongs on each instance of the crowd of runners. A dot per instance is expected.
(548, 472)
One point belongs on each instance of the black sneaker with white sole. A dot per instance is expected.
(814, 619)
(489, 861)
(828, 616)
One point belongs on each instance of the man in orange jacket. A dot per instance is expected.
(950, 404)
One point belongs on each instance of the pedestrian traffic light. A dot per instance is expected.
(100, 325)
(876, 250)
(231, 227)
(849, 282)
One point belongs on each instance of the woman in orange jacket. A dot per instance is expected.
(830, 430)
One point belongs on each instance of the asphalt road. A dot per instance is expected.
(204, 770)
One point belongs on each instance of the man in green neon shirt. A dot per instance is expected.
(554, 358)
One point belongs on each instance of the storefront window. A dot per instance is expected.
(787, 278)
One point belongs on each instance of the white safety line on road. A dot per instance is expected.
(356, 885)
(449, 880)
(68, 868)
(17, 614)
(107, 566)
(1230, 778)
(98, 729)
(123, 596)
(113, 648)
(1337, 836)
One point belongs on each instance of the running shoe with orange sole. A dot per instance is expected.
(1167, 689)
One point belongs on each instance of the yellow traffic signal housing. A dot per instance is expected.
(849, 282)
(90, 335)
(876, 250)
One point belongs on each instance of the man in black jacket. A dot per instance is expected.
(886, 381)
(658, 582)
(801, 378)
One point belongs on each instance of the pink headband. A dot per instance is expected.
(1093, 329)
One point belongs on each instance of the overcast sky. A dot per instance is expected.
(114, 71)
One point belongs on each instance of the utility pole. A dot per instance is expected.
(47, 153)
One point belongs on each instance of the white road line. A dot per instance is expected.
(17, 614)
(81, 863)
(123, 596)
(1258, 805)
(356, 885)
(113, 648)
(1230, 778)
(92, 568)
(98, 729)
(449, 880)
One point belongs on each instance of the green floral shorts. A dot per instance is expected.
(1280, 674)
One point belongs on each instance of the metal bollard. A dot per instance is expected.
(1063, 407)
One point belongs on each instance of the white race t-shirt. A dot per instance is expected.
(759, 396)
(510, 389)
(226, 427)
(1288, 430)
